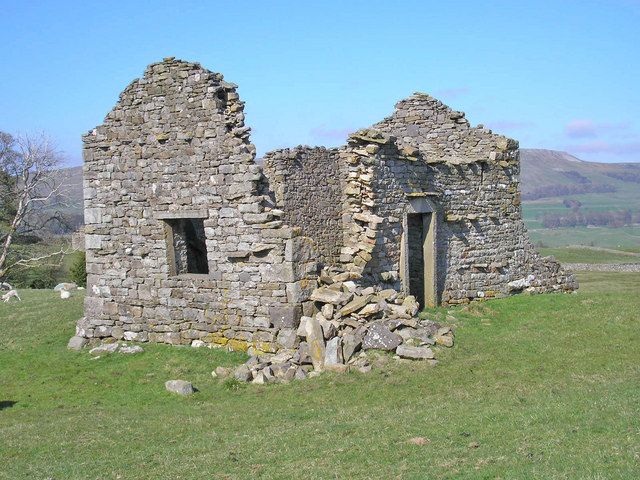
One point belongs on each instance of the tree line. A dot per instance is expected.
(562, 190)
(576, 218)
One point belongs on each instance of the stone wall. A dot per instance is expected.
(175, 146)
(308, 184)
(426, 150)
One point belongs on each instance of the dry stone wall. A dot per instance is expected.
(308, 185)
(175, 147)
(470, 175)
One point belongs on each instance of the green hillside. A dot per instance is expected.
(551, 180)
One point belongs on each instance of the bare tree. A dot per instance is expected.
(29, 179)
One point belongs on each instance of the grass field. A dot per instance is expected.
(536, 387)
(589, 255)
(624, 238)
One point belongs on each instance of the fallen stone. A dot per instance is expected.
(393, 323)
(351, 343)
(409, 322)
(198, 344)
(370, 309)
(315, 343)
(287, 338)
(380, 337)
(388, 294)
(65, 286)
(406, 333)
(443, 331)
(76, 343)
(222, 372)
(243, 374)
(354, 305)
(131, 349)
(290, 373)
(418, 441)
(268, 374)
(301, 356)
(411, 305)
(181, 387)
(444, 340)
(364, 369)
(414, 353)
(349, 286)
(280, 369)
(430, 326)
(282, 356)
(327, 295)
(328, 328)
(259, 379)
(327, 311)
(398, 311)
(104, 348)
(333, 352)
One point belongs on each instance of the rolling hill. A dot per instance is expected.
(541, 169)
(557, 186)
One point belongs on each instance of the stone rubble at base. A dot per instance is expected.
(336, 338)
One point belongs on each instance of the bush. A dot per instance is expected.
(78, 270)
(33, 277)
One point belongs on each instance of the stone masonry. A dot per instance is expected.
(189, 240)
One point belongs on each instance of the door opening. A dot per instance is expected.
(421, 261)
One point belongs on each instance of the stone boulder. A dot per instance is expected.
(328, 295)
(76, 343)
(315, 342)
(181, 387)
(131, 349)
(415, 353)
(104, 348)
(380, 337)
(333, 352)
(65, 286)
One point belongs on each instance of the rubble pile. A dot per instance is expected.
(348, 320)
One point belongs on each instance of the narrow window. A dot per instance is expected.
(186, 246)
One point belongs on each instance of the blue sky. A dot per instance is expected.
(553, 74)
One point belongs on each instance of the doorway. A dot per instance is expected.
(420, 258)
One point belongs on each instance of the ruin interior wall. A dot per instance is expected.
(427, 150)
(174, 147)
(308, 184)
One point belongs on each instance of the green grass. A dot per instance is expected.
(588, 255)
(536, 387)
(624, 238)
(626, 197)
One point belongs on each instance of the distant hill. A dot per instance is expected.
(542, 170)
(72, 189)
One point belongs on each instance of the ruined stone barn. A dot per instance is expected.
(188, 238)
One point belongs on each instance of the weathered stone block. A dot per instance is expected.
(287, 316)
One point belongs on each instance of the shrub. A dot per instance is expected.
(78, 270)
(33, 277)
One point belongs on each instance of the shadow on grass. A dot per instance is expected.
(6, 404)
